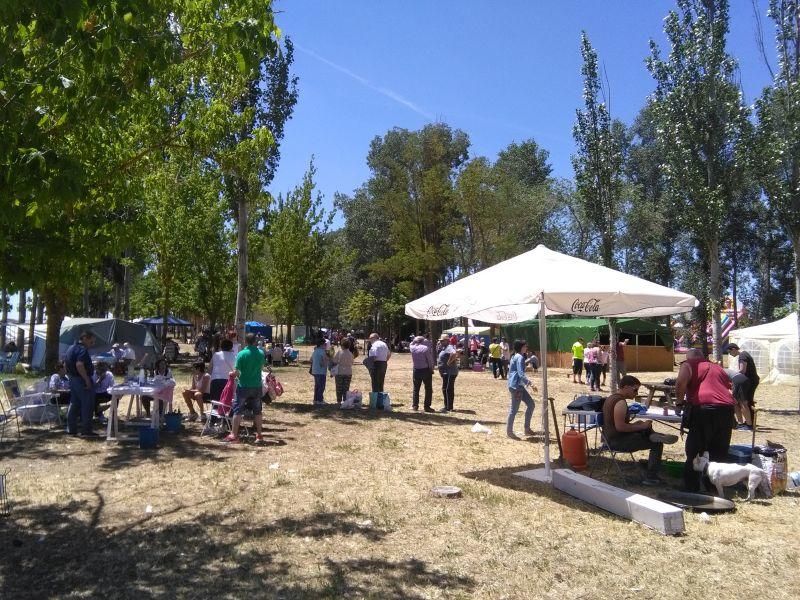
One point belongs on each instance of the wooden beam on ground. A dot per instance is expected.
(664, 518)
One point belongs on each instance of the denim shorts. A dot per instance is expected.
(247, 397)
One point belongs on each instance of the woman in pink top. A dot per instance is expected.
(706, 389)
(591, 360)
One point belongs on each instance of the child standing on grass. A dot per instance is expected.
(516, 387)
(319, 369)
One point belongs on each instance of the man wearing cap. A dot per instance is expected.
(746, 400)
(422, 359)
(381, 354)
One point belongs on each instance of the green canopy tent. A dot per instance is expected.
(651, 342)
(561, 333)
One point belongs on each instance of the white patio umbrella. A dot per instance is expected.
(543, 282)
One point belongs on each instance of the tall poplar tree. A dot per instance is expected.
(702, 124)
(599, 159)
(777, 151)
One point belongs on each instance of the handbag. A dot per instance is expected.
(369, 362)
(334, 370)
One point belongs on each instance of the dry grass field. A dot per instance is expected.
(338, 506)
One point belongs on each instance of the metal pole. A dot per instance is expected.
(612, 343)
(543, 352)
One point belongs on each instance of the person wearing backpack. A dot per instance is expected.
(517, 382)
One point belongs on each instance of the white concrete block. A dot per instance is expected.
(662, 517)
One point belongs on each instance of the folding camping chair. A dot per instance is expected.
(8, 413)
(34, 406)
(221, 413)
(613, 454)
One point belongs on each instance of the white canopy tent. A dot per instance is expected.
(543, 282)
(774, 349)
(472, 329)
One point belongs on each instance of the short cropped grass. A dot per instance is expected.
(338, 505)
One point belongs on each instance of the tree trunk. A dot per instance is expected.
(735, 304)
(715, 292)
(796, 244)
(40, 312)
(118, 285)
(126, 289)
(703, 333)
(164, 316)
(55, 301)
(21, 320)
(32, 328)
(4, 300)
(241, 285)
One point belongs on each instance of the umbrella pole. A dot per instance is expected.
(545, 419)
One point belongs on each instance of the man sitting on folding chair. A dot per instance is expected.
(622, 435)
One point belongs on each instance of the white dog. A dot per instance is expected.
(726, 474)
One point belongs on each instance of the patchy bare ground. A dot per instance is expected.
(338, 505)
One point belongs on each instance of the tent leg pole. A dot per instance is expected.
(612, 343)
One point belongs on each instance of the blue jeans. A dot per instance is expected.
(319, 388)
(81, 404)
(517, 396)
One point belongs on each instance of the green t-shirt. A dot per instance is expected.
(577, 350)
(249, 363)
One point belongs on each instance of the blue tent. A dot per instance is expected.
(261, 329)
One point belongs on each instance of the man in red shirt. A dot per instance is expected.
(706, 389)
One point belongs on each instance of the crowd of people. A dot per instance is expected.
(713, 400)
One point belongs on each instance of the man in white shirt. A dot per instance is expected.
(128, 353)
(381, 354)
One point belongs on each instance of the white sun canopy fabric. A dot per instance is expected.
(516, 289)
(509, 292)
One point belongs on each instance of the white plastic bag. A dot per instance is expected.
(480, 428)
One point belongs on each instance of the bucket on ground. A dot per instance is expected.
(172, 422)
(148, 437)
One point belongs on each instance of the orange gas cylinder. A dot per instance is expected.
(574, 445)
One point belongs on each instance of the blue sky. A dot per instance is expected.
(501, 71)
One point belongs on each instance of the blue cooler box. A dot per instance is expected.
(740, 454)
(148, 438)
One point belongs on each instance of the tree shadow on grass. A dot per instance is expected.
(184, 445)
(39, 444)
(63, 550)
(360, 415)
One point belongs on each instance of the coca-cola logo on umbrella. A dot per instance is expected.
(592, 305)
(438, 311)
(506, 315)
